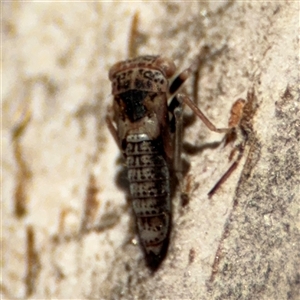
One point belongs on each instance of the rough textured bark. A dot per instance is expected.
(67, 228)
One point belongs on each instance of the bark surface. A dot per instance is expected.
(67, 229)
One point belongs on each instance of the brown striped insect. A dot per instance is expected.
(146, 122)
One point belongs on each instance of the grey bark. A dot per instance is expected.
(67, 227)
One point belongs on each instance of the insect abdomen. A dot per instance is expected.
(149, 180)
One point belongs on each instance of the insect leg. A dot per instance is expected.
(226, 175)
(184, 75)
(185, 99)
(178, 139)
(176, 127)
(179, 81)
(112, 129)
(175, 86)
(237, 134)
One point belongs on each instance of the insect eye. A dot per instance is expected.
(166, 66)
(114, 69)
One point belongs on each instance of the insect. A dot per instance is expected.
(146, 123)
(242, 113)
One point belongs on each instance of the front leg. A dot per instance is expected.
(174, 88)
(185, 99)
(112, 129)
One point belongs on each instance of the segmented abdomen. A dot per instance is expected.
(149, 180)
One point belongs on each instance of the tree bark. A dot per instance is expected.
(68, 231)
